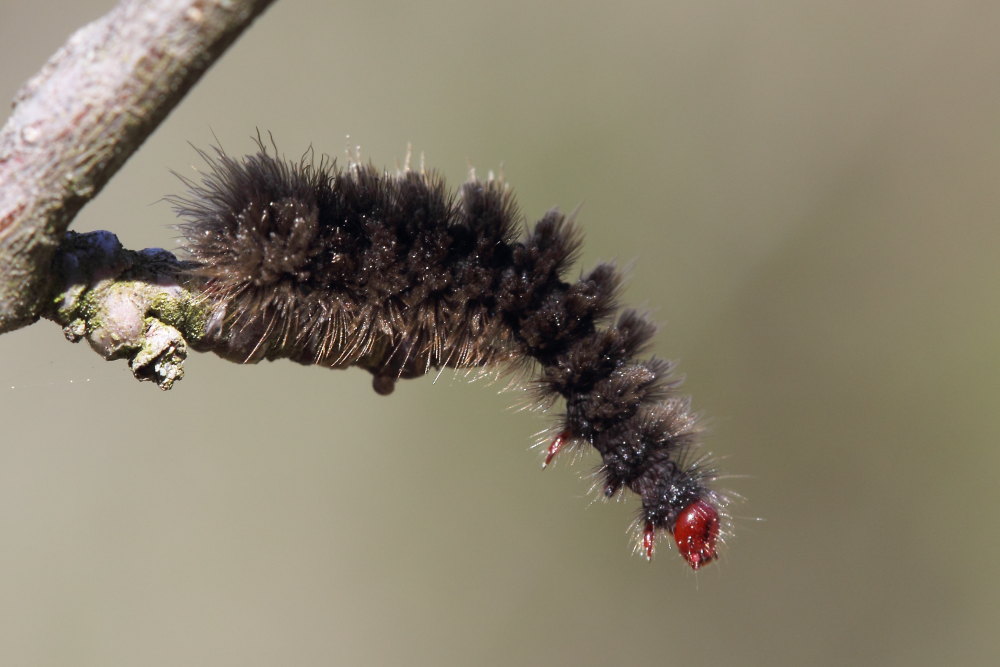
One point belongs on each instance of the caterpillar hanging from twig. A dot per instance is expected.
(393, 273)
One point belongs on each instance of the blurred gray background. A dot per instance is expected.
(807, 195)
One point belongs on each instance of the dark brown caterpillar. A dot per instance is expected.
(395, 274)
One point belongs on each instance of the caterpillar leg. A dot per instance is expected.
(557, 444)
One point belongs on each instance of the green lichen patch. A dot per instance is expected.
(184, 311)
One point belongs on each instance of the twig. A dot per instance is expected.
(90, 107)
(126, 304)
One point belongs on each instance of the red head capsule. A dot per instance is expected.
(696, 532)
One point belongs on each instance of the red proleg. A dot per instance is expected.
(648, 540)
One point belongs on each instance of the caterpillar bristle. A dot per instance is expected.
(393, 273)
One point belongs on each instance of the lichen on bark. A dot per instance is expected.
(127, 304)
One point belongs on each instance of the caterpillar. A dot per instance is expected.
(394, 273)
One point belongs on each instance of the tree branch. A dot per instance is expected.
(89, 108)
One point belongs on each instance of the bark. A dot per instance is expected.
(131, 305)
(77, 121)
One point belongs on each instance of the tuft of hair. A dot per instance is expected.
(394, 273)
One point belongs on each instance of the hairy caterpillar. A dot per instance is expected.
(395, 274)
